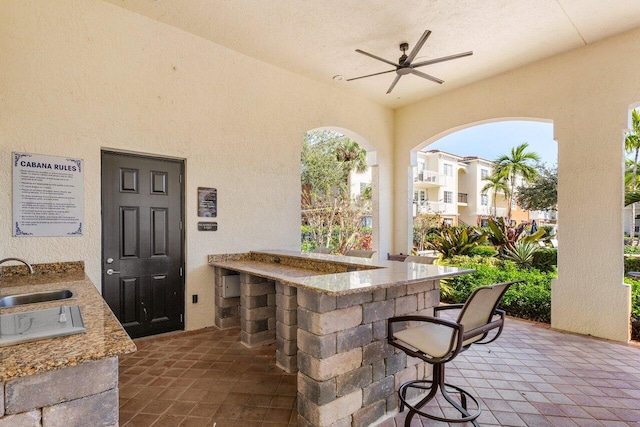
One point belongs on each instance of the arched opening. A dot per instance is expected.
(632, 216)
(339, 191)
(497, 185)
(452, 174)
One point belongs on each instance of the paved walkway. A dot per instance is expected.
(531, 376)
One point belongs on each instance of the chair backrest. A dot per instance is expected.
(420, 259)
(322, 250)
(480, 306)
(360, 253)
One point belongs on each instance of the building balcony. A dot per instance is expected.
(430, 179)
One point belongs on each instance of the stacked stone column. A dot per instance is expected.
(286, 328)
(348, 373)
(257, 310)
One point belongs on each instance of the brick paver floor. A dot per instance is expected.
(531, 376)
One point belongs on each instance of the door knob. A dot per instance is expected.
(111, 271)
(109, 260)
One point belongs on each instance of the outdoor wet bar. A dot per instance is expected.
(327, 315)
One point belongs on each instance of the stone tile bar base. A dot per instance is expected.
(257, 310)
(82, 395)
(348, 373)
(227, 309)
(287, 328)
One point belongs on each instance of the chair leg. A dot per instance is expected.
(438, 383)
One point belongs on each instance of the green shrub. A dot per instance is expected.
(483, 251)
(631, 263)
(631, 250)
(635, 307)
(548, 230)
(530, 300)
(545, 260)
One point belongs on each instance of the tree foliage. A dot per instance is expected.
(542, 193)
(331, 217)
(328, 158)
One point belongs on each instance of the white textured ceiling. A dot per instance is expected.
(318, 38)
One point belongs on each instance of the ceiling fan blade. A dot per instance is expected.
(393, 84)
(444, 58)
(371, 75)
(376, 57)
(417, 47)
(427, 76)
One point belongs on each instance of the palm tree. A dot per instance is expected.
(496, 185)
(515, 164)
(632, 145)
(352, 158)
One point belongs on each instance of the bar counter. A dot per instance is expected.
(327, 315)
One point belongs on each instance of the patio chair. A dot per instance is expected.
(322, 250)
(360, 253)
(421, 259)
(438, 341)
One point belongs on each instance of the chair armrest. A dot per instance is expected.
(439, 308)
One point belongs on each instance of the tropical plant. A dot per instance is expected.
(504, 237)
(632, 145)
(521, 253)
(456, 241)
(496, 184)
(515, 164)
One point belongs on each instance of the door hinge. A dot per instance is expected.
(181, 271)
(181, 318)
(180, 225)
(180, 178)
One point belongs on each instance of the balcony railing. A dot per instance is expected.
(462, 198)
(543, 215)
(430, 177)
(426, 207)
(488, 211)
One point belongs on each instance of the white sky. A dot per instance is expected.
(494, 139)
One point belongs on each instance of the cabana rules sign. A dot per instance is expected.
(48, 195)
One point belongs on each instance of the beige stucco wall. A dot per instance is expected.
(77, 76)
(586, 93)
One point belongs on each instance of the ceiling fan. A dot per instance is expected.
(405, 66)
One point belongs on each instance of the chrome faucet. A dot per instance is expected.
(19, 260)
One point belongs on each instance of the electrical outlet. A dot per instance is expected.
(194, 298)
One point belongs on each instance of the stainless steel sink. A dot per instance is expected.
(36, 297)
(16, 328)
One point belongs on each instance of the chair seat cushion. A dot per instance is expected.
(430, 338)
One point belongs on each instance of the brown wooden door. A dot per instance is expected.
(143, 242)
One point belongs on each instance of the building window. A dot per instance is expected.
(484, 222)
(484, 173)
(448, 196)
(448, 169)
(419, 196)
(447, 221)
(484, 199)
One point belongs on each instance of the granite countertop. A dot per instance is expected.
(104, 338)
(331, 274)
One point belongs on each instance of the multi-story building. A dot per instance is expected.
(451, 186)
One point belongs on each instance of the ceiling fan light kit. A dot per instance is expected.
(405, 65)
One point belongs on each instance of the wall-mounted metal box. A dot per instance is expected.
(231, 286)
